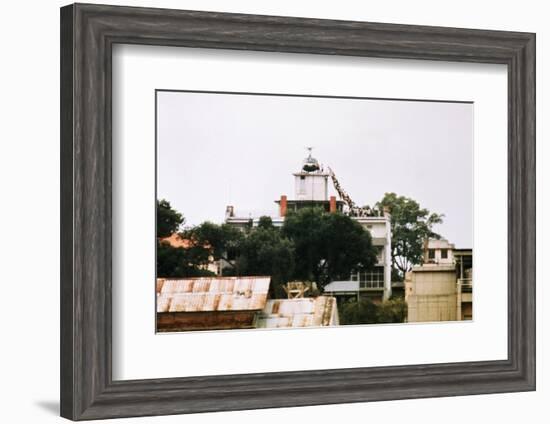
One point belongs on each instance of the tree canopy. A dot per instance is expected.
(411, 226)
(265, 251)
(168, 219)
(312, 245)
(328, 246)
(365, 311)
(221, 241)
(177, 261)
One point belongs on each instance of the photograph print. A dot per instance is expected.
(289, 211)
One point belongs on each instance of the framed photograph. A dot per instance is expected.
(262, 211)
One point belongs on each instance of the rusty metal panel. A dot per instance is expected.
(297, 306)
(163, 303)
(201, 286)
(225, 302)
(182, 321)
(215, 285)
(261, 285)
(160, 283)
(226, 295)
(227, 285)
(301, 312)
(274, 307)
(212, 294)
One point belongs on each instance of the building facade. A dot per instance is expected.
(312, 189)
(441, 288)
(438, 252)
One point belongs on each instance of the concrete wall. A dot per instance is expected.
(431, 294)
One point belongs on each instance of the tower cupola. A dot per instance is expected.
(311, 182)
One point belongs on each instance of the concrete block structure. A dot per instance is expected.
(431, 294)
(441, 288)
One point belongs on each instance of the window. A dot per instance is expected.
(431, 253)
(444, 253)
(370, 279)
(302, 188)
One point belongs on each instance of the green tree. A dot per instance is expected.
(328, 246)
(220, 241)
(411, 225)
(171, 261)
(177, 262)
(356, 312)
(364, 311)
(346, 246)
(313, 245)
(266, 252)
(265, 222)
(304, 229)
(168, 219)
(392, 311)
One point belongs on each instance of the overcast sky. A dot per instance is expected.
(225, 149)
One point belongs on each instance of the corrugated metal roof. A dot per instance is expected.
(341, 286)
(209, 294)
(303, 312)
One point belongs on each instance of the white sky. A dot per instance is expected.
(215, 150)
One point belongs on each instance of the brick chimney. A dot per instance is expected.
(332, 204)
(282, 206)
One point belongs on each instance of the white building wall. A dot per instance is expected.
(437, 246)
(380, 231)
(377, 226)
(388, 264)
(309, 186)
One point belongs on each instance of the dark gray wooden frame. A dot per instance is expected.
(88, 33)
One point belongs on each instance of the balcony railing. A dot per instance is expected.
(371, 285)
(465, 284)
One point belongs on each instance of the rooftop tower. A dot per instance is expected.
(311, 181)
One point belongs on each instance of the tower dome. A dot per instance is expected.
(310, 164)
